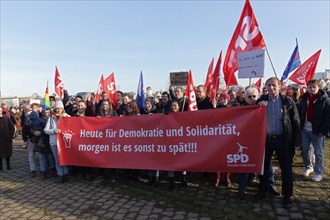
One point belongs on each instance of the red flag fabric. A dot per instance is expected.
(216, 78)
(208, 80)
(246, 37)
(216, 139)
(99, 89)
(191, 94)
(109, 87)
(258, 84)
(58, 84)
(306, 71)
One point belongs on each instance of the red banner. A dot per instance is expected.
(227, 139)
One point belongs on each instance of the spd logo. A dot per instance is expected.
(239, 156)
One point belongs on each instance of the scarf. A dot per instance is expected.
(311, 100)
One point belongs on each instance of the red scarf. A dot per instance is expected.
(311, 100)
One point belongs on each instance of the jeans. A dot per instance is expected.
(32, 162)
(61, 170)
(46, 159)
(309, 138)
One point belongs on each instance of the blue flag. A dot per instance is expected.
(293, 63)
(140, 93)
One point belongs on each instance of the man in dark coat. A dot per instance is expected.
(203, 100)
(283, 135)
(7, 130)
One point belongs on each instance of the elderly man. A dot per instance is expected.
(283, 135)
(180, 97)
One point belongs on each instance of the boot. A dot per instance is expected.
(184, 181)
(171, 185)
(8, 163)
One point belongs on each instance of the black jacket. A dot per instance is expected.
(204, 103)
(291, 121)
(321, 113)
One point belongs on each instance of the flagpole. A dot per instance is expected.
(271, 61)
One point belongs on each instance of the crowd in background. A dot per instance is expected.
(38, 127)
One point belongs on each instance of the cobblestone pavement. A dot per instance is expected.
(25, 197)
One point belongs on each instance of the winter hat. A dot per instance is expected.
(151, 100)
(58, 104)
(225, 95)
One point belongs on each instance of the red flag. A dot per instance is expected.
(191, 94)
(58, 83)
(109, 87)
(246, 37)
(258, 84)
(99, 89)
(208, 80)
(306, 71)
(216, 78)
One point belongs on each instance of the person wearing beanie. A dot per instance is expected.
(52, 130)
(149, 107)
(224, 99)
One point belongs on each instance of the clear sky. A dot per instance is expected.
(88, 38)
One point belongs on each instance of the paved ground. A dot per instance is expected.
(26, 197)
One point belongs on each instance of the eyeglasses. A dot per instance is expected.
(250, 96)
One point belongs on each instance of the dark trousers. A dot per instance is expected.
(284, 156)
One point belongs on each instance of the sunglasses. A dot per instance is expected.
(250, 96)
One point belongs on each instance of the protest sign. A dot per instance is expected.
(251, 64)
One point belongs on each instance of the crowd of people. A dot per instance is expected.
(293, 123)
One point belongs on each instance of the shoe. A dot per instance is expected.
(317, 178)
(54, 173)
(307, 171)
(274, 192)
(66, 177)
(33, 173)
(9, 168)
(60, 179)
(259, 196)
(97, 180)
(287, 204)
(241, 195)
(43, 175)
